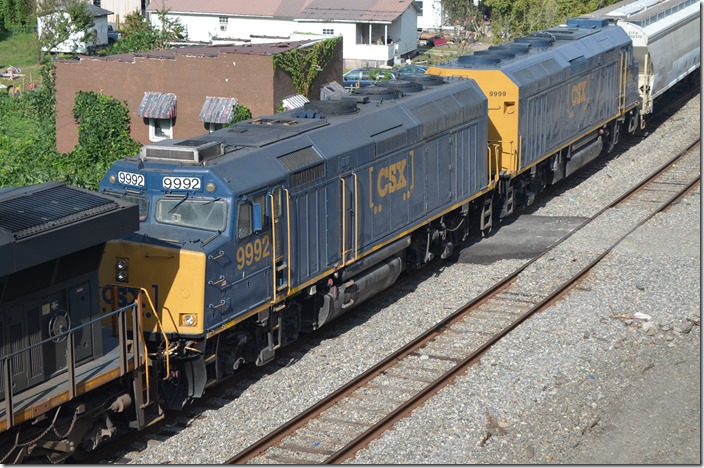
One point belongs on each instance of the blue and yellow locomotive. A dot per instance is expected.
(257, 232)
(556, 99)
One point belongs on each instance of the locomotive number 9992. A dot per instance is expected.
(181, 183)
(129, 178)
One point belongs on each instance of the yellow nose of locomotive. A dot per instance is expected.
(172, 278)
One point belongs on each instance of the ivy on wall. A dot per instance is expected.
(103, 137)
(304, 64)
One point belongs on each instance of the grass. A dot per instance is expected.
(20, 49)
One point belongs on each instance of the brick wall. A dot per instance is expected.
(222, 72)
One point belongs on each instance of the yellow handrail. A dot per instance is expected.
(288, 232)
(166, 339)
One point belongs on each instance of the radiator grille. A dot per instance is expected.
(48, 209)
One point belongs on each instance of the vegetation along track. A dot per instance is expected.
(347, 420)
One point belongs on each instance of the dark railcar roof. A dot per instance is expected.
(46, 221)
(538, 61)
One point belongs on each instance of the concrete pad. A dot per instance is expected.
(520, 238)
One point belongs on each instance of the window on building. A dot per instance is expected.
(328, 32)
(420, 7)
(160, 129)
(223, 23)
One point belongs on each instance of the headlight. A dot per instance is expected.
(188, 320)
(112, 178)
(121, 270)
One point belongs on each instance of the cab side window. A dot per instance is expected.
(277, 202)
(244, 220)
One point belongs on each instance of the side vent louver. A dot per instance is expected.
(301, 158)
(193, 151)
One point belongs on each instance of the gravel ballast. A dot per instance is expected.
(584, 382)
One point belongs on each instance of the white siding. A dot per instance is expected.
(356, 46)
(75, 43)
(432, 15)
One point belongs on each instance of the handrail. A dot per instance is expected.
(356, 218)
(163, 334)
(6, 361)
(273, 248)
(288, 232)
(343, 252)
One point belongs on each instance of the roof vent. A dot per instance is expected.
(405, 87)
(185, 151)
(536, 41)
(426, 80)
(377, 93)
(326, 108)
(479, 60)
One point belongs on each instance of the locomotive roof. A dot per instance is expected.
(537, 61)
(45, 221)
(260, 151)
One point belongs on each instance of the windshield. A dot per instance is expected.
(138, 200)
(210, 214)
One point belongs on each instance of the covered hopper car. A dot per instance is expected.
(666, 39)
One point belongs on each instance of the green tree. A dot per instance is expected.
(28, 136)
(15, 13)
(139, 35)
(460, 12)
(103, 137)
(62, 19)
(516, 18)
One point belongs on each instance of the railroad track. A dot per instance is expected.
(349, 419)
(121, 450)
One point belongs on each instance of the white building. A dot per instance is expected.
(431, 16)
(374, 32)
(76, 42)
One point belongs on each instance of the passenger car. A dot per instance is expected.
(360, 77)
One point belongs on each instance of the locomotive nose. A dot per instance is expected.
(172, 278)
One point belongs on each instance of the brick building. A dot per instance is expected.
(182, 92)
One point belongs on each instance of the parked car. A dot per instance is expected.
(113, 35)
(411, 70)
(361, 77)
(436, 41)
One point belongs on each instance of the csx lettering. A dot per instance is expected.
(579, 93)
(391, 178)
(252, 252)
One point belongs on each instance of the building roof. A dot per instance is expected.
(157, 106)
(219, 110)
(306, 10)
(204, 51)
(359, 10)
(268, 8)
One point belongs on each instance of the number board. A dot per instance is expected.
(181, 183)
(129, 178)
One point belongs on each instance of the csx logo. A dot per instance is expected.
(579, 93)
(396, 177)
(391, 178)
